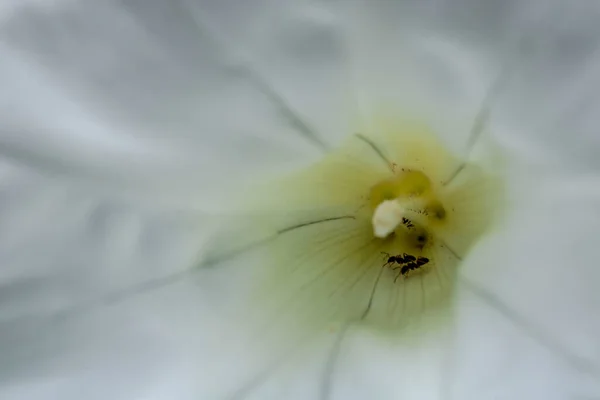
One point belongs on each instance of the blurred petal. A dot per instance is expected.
(151, 95)
(403, 61)
(320, 262)
(440, 58)
(407, 365)
(143, 96)
(99, 299)
(537, 298)
(560, 347)
(523, 323)
(63, 254)
(134, 95)
(302, 48)
(551, 102)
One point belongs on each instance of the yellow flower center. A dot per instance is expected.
(373, 231)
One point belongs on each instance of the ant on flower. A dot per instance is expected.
(406, 262)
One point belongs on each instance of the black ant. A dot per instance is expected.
(405, 269)
(407, 263)
(398, 259)
(408, 223)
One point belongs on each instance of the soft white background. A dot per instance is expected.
(120, 121)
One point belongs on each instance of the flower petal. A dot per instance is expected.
(73, 310)
(528, 301)
(443, 57)
(147, 94)
(407, 365)
(302, 49)
(405, 60)
(550, 102)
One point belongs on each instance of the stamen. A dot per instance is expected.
(387, 216)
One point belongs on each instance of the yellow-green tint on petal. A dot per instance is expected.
(324, 262)
(457, 212)
(404, 183)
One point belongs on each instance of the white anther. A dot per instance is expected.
(387, 216)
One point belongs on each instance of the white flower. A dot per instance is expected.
(126, 126)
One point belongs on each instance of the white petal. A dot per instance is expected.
(101, 91)
(406, 62)
(73, 309)
(301, 47)
(442, 57)
(529, 301)
(406, 365)
(149, 94)
(99, 293)
(551, 101)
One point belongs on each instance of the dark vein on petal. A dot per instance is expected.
(521, 322)
(118, 296)
(375, 149)
(329, 371)
(459, 258)
(481, 120)
(291, 228)
(162, 282)
(325, 387)
(242, 69)
(324, 245)
(578, 363)
(293, 299)
(326, 384)
(372, 295)
(223, 257)
(360, 276)
(293, 118)
(211, 261)
(261, 377)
